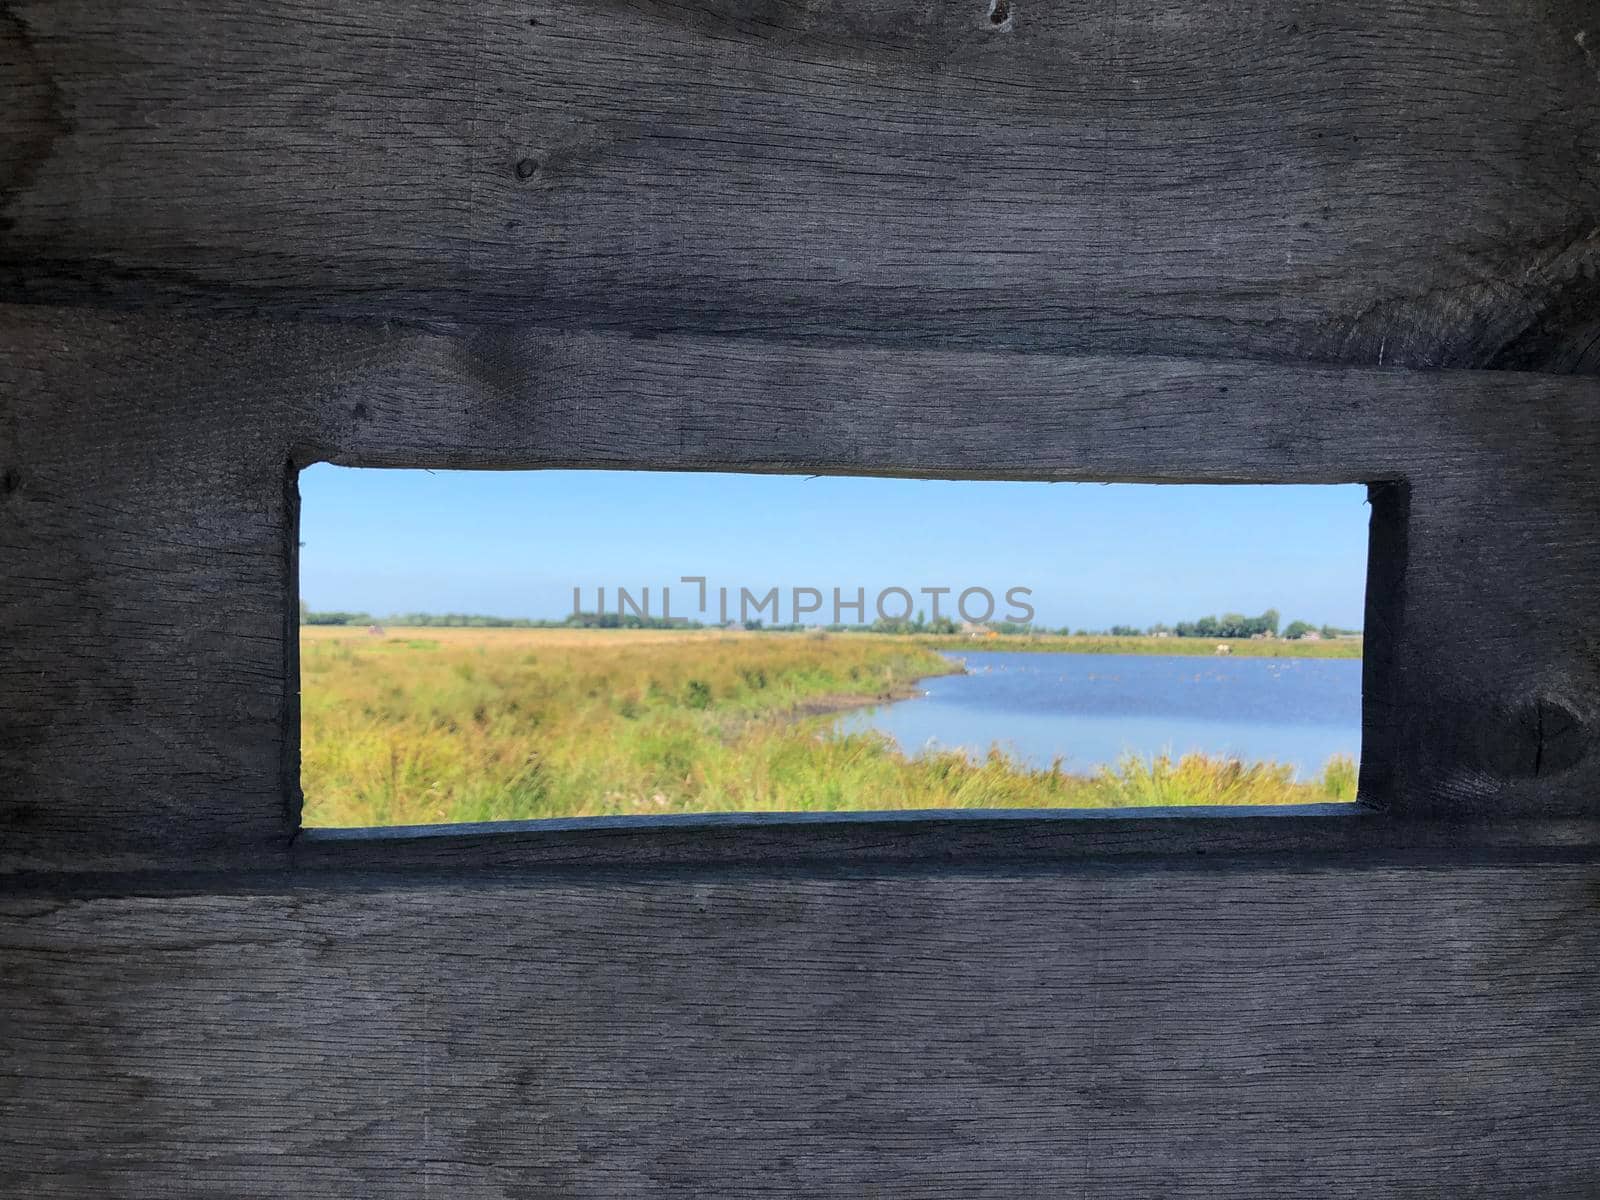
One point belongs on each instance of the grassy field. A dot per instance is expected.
(439, 725)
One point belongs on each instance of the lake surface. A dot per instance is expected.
(1090, 709)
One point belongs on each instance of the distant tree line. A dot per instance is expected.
(1299, 629)
(1236, 625)
(1228, 625)
(611, 620)
(334, 618)
(480, 621)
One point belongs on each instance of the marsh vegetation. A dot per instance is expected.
(446, 725)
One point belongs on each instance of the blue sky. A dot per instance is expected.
(516, 543)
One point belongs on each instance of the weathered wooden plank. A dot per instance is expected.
(1364, 181)
(512, 396)
(835, 222)
(1482, 676)
(1325, 834)
(147, 710)
(1107, 1033)
(145, 594)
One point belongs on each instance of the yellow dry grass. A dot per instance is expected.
(438, 725)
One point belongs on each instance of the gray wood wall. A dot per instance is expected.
(1351, 241)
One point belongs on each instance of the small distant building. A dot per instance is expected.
(1311, 635)
(1162, 633)
(1224, 648)
(974, 630)
(376, 631)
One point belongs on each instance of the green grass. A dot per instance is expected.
(477, 725)
(1198, 779)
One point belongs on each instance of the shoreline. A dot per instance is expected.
(836, 703)
(554, 636)
(1342, 649)
(445, 728)
(832, 703)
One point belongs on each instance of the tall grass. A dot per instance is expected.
(1201, 779)
(504, 724)
(1339, 777)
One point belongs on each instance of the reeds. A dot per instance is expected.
(504, 724)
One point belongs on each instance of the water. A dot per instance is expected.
(1090, 709)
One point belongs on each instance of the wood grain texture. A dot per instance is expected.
(1482, 677)
(794, 235)
(1325, 834)
(146, 583)
(145, 595)
(1365, 181)
(1103, 1033)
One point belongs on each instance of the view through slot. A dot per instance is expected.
(481, 646)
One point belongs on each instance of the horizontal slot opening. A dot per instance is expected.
(488, 646)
